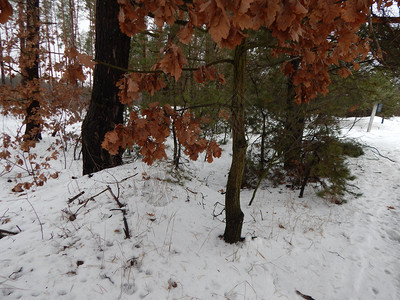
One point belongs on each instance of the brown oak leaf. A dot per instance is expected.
(6, 11)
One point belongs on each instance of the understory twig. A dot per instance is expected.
(273, 160)
(34, 210)
(351, 127)
(221, 212)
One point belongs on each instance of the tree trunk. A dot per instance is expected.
(234, 215)
(30, 53)
(294, 127)
(105, 110)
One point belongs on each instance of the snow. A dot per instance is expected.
(309, 245)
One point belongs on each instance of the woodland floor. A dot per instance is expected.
(293, 246)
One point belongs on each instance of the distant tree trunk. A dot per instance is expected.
(3, 73)
(177, 149)
(72, 29)
(49, 39)
(8, 51)
(234, 215)
(30, 53)
(294, 126)
(21, 28)
(105, 110)
(64, 25)
(90, 7)
(263, 138)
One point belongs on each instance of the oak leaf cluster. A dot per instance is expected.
(320, 32)
(150, 129)
(317, 33)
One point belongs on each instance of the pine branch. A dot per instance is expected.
(124, 69)
(160, 71)
(201, 106)
(385, 20)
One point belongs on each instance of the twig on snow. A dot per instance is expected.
(304, 296)
(377, 152)
(3, 216)
(126, 178)
(193, 192)
(105, 190)
(75, 197)
(4, 233)
(16, 272)
(123, 210)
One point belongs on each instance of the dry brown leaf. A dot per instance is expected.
(6, 11)
(186, 33)
(18, 188)
(86, 60)
(198, 75)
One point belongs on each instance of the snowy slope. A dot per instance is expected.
(306, 245)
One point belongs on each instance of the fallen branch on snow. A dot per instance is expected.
(304, 296)
(123, 210)
(377, 152)
(4, 233)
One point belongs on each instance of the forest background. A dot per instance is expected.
(274, 76)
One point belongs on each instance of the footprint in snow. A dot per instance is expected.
(393, 235)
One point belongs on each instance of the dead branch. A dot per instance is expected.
(191, 191)
(4, 233)
(105, 190)
(72, 216)
(120, 205)
(126, 178)
(75, 197)
(377, 152)
(304, 296)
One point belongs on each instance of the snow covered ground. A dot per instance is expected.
(294, 247)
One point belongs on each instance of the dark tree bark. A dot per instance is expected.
(294, 126)
(263, 138)
(30, 54)
(3, 73)
(105, 110)
(177, 149)
(234, 215)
